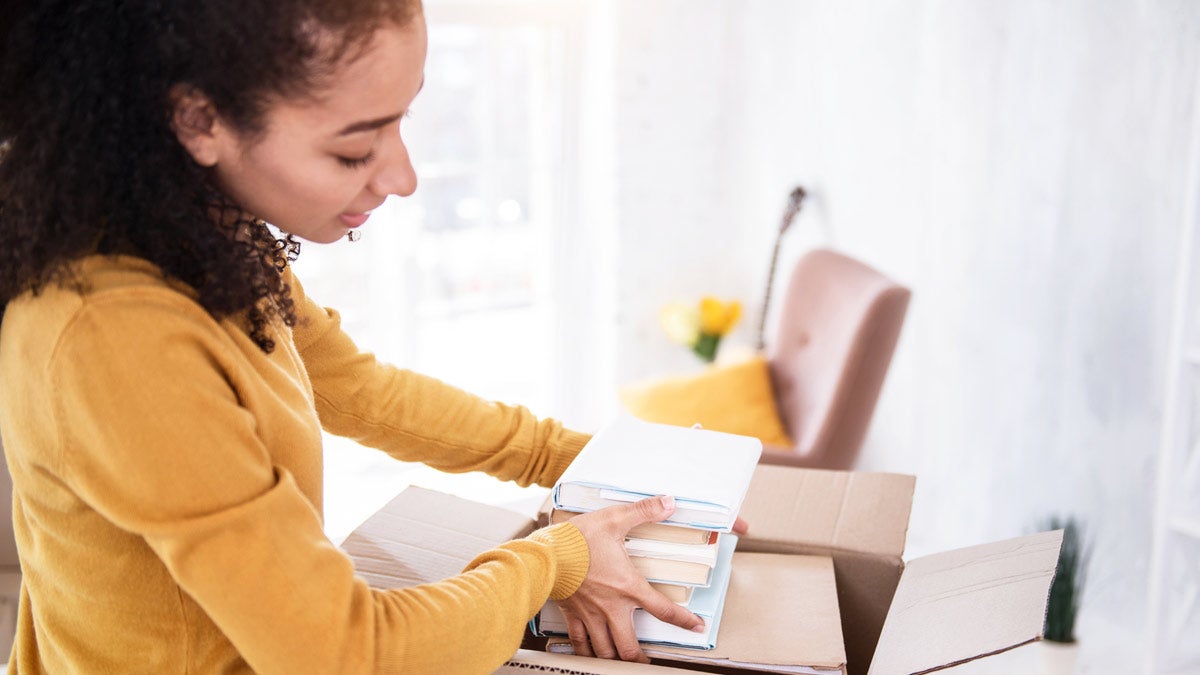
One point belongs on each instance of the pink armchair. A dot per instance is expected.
(838, 329)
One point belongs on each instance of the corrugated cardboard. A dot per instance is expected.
(423, 536)
(942, 610)
(777, 606)
(526, 661)
(789, 508)
(992, 597)
(860, 519)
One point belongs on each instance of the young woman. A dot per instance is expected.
(164, 379)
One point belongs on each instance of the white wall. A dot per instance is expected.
(1020, 165)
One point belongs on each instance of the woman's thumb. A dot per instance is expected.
(650, 510)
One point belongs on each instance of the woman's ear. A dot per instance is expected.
(194, 121)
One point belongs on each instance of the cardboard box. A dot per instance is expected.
(937, 611)
(781, 615)
(934, 612)
(529, 661)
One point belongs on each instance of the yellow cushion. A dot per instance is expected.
(734, 398)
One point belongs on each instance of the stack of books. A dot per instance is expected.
(688, 557)
(695, 575)
(675, 560)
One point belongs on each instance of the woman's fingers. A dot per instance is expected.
(578, 634)
(740, 526)
(601, 641)
(649, 510)
(625, 639)
(663, 609)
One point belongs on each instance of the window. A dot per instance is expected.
(464, 281)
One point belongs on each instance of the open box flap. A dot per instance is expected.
(423, 536)
(781, 610)
(527, 661)
(959, 605)
(790, 509)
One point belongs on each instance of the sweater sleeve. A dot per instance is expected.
(154, 439)
(418, 418)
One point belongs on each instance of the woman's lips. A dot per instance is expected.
(354, 219)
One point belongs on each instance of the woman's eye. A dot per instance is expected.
(357, 162)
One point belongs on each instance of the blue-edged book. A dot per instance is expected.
(707, 603)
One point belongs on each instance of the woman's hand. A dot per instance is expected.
(600, 614)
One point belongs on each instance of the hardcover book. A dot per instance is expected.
(707, 472)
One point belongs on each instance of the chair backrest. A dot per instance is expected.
(838, 328)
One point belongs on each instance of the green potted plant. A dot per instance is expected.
(1062, 608)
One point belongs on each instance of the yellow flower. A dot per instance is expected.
(718, 318)
(681, 321)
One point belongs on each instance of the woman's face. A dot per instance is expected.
(322, 163)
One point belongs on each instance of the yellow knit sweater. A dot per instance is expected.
(167, 492)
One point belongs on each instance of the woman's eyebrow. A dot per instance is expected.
(373, 124)
(369, 125)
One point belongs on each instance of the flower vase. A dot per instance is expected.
(1057, 658)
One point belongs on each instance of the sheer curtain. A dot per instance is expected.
(464, 280)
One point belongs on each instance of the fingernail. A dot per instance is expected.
(668, 501)
(699, 628)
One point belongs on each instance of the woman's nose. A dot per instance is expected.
(395, 174)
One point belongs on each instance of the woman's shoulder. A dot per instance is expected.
(103, 275)
(100, 287)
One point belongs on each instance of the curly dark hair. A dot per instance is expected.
(88, 159)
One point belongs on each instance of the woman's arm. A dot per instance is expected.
(418, 418)
(155, 439)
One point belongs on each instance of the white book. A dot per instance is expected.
(676, 593)
(673, 563)
(656, 531)
(708, 472)
(665, 550)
